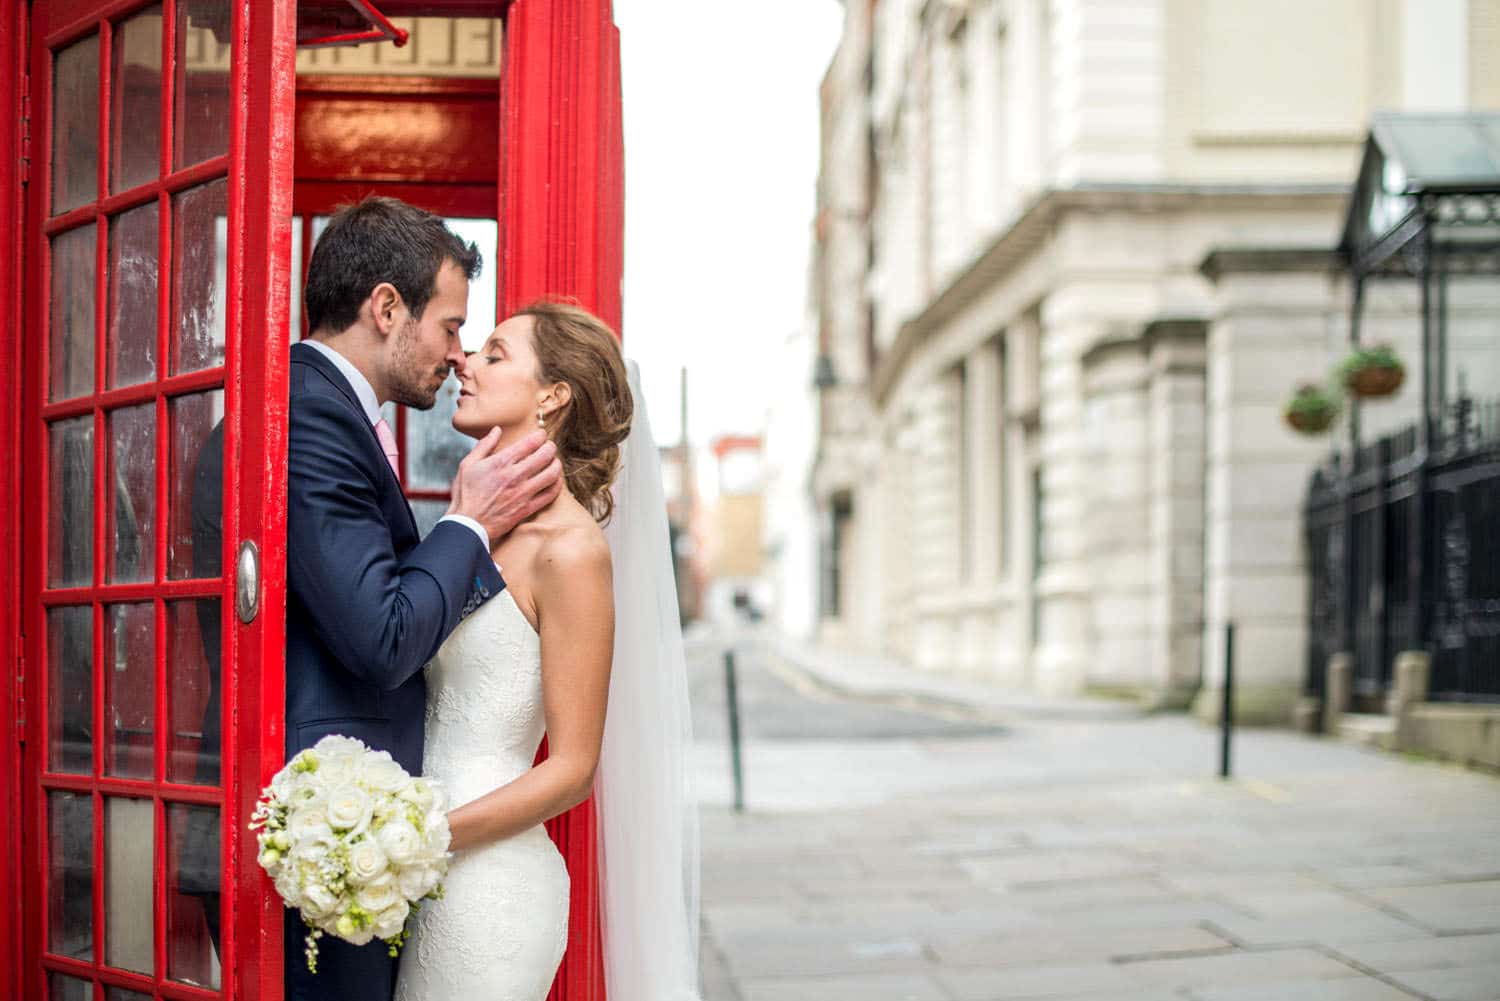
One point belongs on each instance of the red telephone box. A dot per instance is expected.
(148, 274)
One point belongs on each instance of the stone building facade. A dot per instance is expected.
(1070, 257)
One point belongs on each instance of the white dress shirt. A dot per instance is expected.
(365, 393)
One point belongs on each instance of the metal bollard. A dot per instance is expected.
(731, 692)
(1226, 718)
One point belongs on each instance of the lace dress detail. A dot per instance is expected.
(499, 932)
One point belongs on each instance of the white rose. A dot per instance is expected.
(308, 822)
(391, 920)
(412, 882)
(317, 901)
(349, 808)
(366, 861)
(378, 894)
(344, 928)
(288, 888)
(438, 834)
(337, 745)
(377, 771)
(400, 841)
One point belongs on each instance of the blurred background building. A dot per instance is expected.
(1069, 259)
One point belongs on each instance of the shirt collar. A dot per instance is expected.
(362, 388)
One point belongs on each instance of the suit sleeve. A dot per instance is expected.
(382, 616)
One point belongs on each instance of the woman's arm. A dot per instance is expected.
(573, 590)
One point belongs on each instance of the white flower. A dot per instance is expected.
(438, 834)
(412, 880)
(345, 929)
(391, 920)
(378, 772)
(349, 808)
(318, 901)
(400, 841)
(308, 824)
(289, 887)
(366, 861)
(422, 793)
(378, 894)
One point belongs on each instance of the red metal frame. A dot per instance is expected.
(559, 200)
(254, 384)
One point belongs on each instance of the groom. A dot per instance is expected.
(368, 602)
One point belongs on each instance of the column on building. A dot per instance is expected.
(1278, 313)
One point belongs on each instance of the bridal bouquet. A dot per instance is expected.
(352, 842)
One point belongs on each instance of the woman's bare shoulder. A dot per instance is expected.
(572, 549)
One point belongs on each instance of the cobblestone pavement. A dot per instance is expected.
(890, 854)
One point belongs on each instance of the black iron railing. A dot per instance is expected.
(1403, 548)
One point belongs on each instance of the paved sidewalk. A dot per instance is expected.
(874, 678)
(1098, 860)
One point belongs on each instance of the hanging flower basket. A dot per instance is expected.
(1312, 409)
(1373, 372)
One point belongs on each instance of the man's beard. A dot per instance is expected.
(406, 381)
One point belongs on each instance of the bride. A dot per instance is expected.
(582, 648)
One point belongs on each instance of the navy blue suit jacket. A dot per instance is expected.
(368, 602)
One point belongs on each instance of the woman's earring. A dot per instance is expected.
(541, 420)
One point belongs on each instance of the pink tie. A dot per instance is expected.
(388, 443)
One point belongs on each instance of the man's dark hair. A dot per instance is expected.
(379, 240)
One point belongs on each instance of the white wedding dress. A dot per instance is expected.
(499, 931)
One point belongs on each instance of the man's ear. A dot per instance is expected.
(385, 306)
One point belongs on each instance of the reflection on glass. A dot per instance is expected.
(427, 513)
(133, 267)
(193, 911)
(436, 46)
(200, 235)
(129, 689)
(70, 689)
(433, 448)
(135, 92)
(128, 829)
(203, 60)
(193, 658)
(121, 994)
(70, 346)
(294, 287)
(61, 988)
(195, 486)
(70, 529)
(75, 125)
(70, 874)
(132, 484)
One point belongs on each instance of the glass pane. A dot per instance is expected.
(433, 448)
(202, 81)
(132, 533)
(70, 874)
(70, 531)
(121, 994)
(195, 515)
(75, 125)
(436, 46)
(128, 842)
(427, 513)
(294, 312)
(133, 267)
(193, 658)
(71, 341)
(135, 89)
(61, 988)
(193, 909)
(70, 689)
(200, 234)
(129, 690)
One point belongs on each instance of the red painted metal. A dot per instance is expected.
(322, 24)
(561, 234)
(14, 105)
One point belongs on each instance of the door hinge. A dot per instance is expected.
(25, 128)
(20, 682)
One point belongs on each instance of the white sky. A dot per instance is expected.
(721, 163)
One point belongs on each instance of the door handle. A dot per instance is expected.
(247, 581)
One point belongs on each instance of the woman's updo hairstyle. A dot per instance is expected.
(574, 346)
